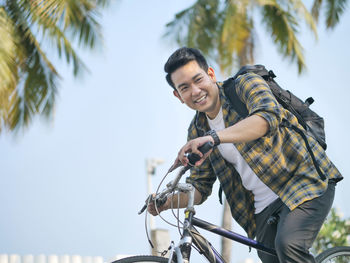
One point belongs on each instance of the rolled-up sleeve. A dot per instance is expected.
(256, 94)
(202, 178)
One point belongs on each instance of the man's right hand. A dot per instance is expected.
(192, 147)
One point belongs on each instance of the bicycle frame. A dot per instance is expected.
(232, 235)
(183, 250)
(190, 235)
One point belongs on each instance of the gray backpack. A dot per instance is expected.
(310, 120)
(313, 123)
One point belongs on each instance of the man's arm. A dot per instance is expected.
(246, 130)
(264, 118)
(173, 201)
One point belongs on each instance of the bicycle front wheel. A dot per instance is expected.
(334, 255)
(141, 259)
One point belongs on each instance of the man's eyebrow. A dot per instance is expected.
(193, 78)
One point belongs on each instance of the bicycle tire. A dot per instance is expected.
(334, 254)
(140, 259)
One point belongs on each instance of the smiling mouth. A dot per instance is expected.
(201, 99)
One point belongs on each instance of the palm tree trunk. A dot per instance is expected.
(226, 244)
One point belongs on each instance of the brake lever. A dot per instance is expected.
(193, 158)
(142, 210)
(145, 205)
(174, 166)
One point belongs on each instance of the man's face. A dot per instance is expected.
(197, 88)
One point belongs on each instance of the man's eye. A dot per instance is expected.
(199, 80)
(183, 89)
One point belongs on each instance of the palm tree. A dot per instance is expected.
(225, 32)
(30, 30)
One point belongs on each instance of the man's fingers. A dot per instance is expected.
(196, 151)
(182, 156)
(205, 156)
(192, 147)
(153, 210)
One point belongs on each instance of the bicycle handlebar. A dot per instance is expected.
(192, 158)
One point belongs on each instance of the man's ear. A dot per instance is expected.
(177, 95)
(211, 74)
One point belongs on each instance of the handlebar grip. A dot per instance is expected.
(161, 201)
(193, 158)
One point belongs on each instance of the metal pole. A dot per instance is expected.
(151, 165)
(150, 170)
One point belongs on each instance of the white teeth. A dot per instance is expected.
(201, 99)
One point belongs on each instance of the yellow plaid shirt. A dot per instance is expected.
(280, 158)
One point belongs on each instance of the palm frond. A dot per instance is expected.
(66, 50)
(80, 20)
(38, 76)
(302, 12)
(13, 117)
(34, 95)
(196, 26)
(44, 12)
(8, 72)
(51, 29)
(102, 3)
(236, 33)
(246, 56)
(334, 9)
(28, 78)
(315, 10)
(284, 28)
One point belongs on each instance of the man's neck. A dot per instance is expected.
(213, 114)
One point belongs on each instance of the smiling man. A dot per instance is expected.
(264, 169)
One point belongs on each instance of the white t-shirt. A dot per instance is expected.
(263, 195)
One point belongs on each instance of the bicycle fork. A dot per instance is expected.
(181, 253)
(175, 255)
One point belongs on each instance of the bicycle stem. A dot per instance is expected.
(183, 254)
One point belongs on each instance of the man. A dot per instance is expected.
(264, 169)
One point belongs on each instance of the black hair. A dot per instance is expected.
(180, 58)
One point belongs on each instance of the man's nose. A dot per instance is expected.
(195, 89)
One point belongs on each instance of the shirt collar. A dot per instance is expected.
(201, 119)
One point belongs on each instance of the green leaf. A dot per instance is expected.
(28, 78)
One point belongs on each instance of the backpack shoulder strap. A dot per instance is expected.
(230, 88)
(286, 123)
(231, 94)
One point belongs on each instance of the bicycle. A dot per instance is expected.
(192, 238)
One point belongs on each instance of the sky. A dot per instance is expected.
(74, 185)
